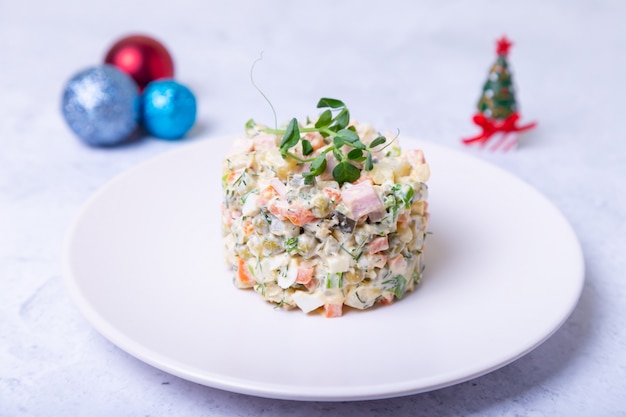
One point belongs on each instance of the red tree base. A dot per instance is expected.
(493, 126)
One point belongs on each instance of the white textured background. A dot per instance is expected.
(414, 65)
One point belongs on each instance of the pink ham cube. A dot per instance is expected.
(361, 199)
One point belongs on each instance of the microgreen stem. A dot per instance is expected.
(302, 130)
(297, 158)
(260, 58)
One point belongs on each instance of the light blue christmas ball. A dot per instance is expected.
(101, 105)
(168, 109)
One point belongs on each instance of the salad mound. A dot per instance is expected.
(325, 213)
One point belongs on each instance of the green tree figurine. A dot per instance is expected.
(498, 98)
(497, 108)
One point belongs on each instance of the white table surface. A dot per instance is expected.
(415, 66)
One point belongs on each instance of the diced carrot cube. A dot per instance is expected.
(244, 279)
(333, 310)
(333, 194)
(305, 273)
(386, 298)
(301, 217)
(294, 213)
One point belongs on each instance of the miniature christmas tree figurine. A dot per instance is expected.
(498, 98)
(497, 109)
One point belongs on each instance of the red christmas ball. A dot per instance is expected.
(143, 58)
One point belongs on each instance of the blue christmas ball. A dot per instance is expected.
(168, 109)
(101, 105)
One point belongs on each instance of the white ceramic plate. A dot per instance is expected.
(144, 262)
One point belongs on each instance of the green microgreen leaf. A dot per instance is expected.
(342, 119)
(351, 138)
(250, 124)
(369, 165)
(356, 155)
(346, 172)
(348, 136)
(338, 141)
(325, 119)
(307, 148)
(318, 166)
(291, 136)
(330, 102)
(378, 141)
